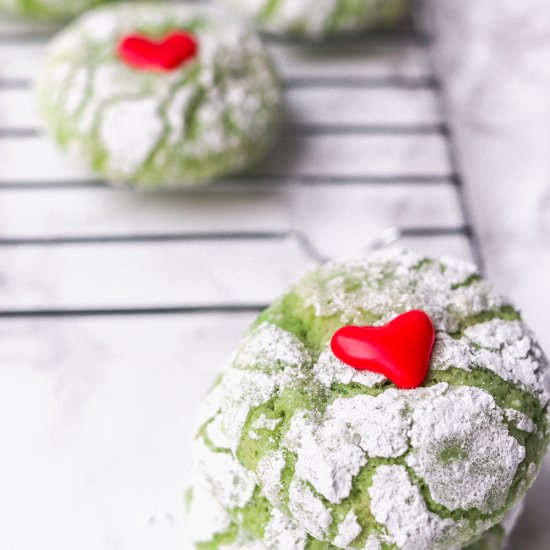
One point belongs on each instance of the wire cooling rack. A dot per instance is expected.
(116, 307)
(364, 147)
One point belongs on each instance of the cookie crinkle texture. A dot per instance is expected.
(345, 454)
(228, 511)
(321, 18)
(214, 115)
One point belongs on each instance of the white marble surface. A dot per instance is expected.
(95, 412)
(96, 421)
(494, 58)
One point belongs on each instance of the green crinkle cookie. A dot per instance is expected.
(227, 509)
(47, 9)
(345, 453)
(320, 18)
(214, 115)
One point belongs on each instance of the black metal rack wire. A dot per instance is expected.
(20, 136)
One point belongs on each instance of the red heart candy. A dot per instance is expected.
(167, 54)
(400, 350)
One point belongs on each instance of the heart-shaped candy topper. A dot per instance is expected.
(400, 351)
(167, 54)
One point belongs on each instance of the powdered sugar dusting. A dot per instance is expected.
(221, 483)
(51, 10)
(283, 533)
(325, 458)
(176, 113)
(332, 448)
(209, 406)
(348, 531)
(243, 390)
(265, 423)
(229, 482)
(77, 92)
(373, 543)
(457, 271)
(390, 282)
(450, 352)
(498, 333)
(329, 369)
(315, 12)
(215, 433)
(503, 347)
(319, 17)
(521, 420)
(398, 505)
(243, 542)
(130, 130)
(509, 350)
(311, 14)
(308, 509)
(268, 472)
(270, 348)
(278, 357)
(461, 447)
(460, 443)
(378, 425)
(206, 516)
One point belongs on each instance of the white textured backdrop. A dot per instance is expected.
(494, 56)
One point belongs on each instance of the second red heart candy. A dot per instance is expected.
(167, 54)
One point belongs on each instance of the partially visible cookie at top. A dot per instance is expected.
(47, 9)
(156, 95)
(322, 18)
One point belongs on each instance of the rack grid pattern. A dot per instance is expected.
(112, 302)
(364, 122)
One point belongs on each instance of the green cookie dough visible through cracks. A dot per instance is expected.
(213, 116)
(488, 380)
(245, 527)
(236, 536)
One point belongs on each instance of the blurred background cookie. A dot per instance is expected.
(47, 9)
(317, 19)
(160, 95)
